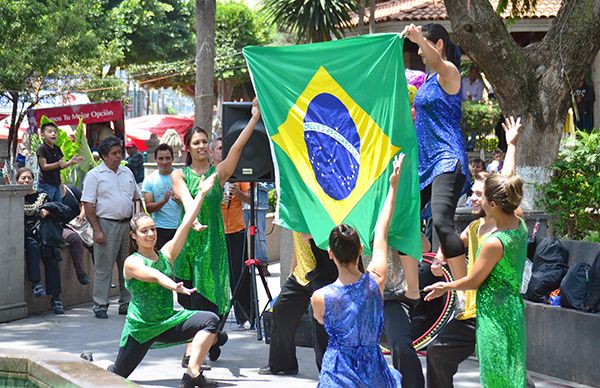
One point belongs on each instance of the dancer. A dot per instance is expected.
(203, 262)
(497, 275)
(352, 308)
(443, 166)
(151, 320)
(457, 340)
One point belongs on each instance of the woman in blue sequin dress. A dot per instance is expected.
(443, 166)
(497, 275)
(352, 308)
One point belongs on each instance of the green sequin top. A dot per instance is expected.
(150, 310)
(500, 315)
(203, 259)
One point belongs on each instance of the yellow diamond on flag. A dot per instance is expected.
(337, 148)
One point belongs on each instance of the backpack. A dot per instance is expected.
(549, 268)
(573, 288)
(593, 292)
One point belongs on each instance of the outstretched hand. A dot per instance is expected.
(395, 177)
(206, 185)
(181, 289)
(435, 290)
(511, 129)
(197, 226)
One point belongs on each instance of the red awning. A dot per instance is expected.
(139, 129)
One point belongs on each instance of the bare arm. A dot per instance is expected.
(134, 268)
(181, 191)
(378, 265)
(172, 248)
(227, 166)
(449, 77)
(154, 206)
(90, 211)
(240, 194)
(318, 305)
(490, 254)
(511, 129)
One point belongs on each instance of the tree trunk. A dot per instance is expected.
(205, 63)
(534, 82)
(372, 16)
(360, 27)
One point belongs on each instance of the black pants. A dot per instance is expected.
(444, 192)
(133, 353)
(163, 236)
(287, 311)
(452, 346)
(236, 244)
(34, 253)
(397, 329)
(195, 301)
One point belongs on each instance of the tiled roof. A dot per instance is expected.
(421, 10)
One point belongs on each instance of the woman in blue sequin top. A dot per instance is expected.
(443, 166)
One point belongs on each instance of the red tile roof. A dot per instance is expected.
(421, 10)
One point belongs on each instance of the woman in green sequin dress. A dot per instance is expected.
(497, 276)
(203, 262)
(151, 320)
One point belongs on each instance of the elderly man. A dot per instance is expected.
(108, 194)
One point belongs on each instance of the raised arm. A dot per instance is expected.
(172, 248)
(134, 268)
(181, 190)
(449, 75)
(511, 129)
(378, 265)
(227, 166)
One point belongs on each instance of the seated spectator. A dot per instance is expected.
(496, 164)
(35, 251)
(476, 165)
(71, 197)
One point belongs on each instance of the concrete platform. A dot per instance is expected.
(77, 331)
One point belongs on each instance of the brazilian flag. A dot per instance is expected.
(336, 114)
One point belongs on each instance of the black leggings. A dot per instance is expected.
(133, 353)
(444, 192)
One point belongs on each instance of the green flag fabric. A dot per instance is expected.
(336, 114)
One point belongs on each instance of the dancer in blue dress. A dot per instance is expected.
(352, 308)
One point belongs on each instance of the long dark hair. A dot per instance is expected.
(187, 139)
(435, 32)
(345, 244)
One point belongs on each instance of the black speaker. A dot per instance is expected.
(256, 163)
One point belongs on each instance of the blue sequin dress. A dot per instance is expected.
(354, 321)
(437, 123)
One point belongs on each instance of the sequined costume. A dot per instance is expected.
(150, 311)
(500, 315)
(203, 259)
(437, 124)
(354, 321)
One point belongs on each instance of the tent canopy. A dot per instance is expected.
(139, 129)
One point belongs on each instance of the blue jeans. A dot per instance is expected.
(53, 192)
(260, 246)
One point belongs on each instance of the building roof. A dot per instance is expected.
(426, 10)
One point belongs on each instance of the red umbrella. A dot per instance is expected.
(139, 129)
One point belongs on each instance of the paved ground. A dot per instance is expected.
(78, 331)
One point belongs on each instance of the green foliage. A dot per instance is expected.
(517, 7)
(151, 30)
(109, 88)
(480, 118)
(237, 26)
(487, 143)
(572, 197)
(313, 20)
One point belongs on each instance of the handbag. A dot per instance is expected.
(84, 230)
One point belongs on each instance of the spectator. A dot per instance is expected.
(135, 161)
(50, 159)
(159, 197)
(472, 87)
(496, 164)
(34, 250)
(584, 97)
(476, 165)
(71, 196)
(108, 194)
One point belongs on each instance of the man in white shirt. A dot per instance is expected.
(108, 194)
(472, 87)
